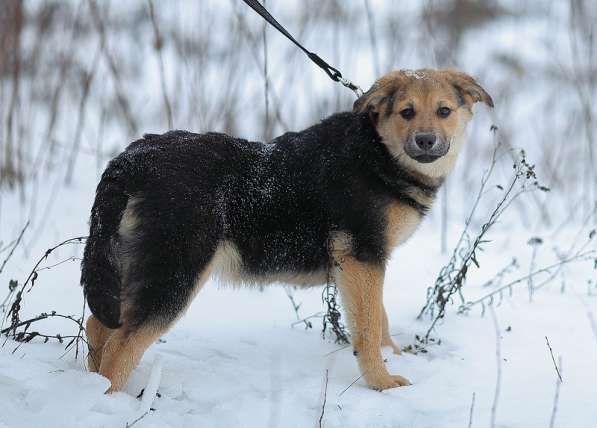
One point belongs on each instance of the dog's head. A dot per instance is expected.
(421, 115)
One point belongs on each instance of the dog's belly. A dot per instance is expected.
(229, 267)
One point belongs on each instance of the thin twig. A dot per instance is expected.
(158, 45)
(352, 383)
(470, 414)
(31, 278)
(296, 307)
(373, 38)
(553, 359)
(325, 393)
(16, 244)
(267, 128)
(554, 410)
(86, 83)
(137, 420)
(498, 356)
(582, 256)
(336, 350)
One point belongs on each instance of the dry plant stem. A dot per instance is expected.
(14, 246)
(25, 336)
(158, 45)
(351, 384)
(553, 359)
(266, 127)
(296, 307)
(453, 275)
(554, 269)
(87, 81)
(8, 169)
(330, 298)
(499, 277)
(120, 97)
(582, 23)
(61, 80)
(137, 420)
(373, 38)
(254, 44)
(445, 270)
(325, 393)
(444, 291)
(498, 356)
(471, 412)
(531, 269)
(554, 410)
(577, 257)
(31, 278)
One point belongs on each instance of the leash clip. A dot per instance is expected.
(353, 87)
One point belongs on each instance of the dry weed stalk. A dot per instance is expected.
(453, 275)
(19, 330)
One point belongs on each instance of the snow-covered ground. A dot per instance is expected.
(235, 361)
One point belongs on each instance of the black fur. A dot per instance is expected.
(276, 202)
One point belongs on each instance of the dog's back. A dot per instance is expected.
(169, 202)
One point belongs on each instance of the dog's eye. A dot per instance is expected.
(444, 111)
(408, 113)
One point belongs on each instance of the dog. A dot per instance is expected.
(174, 209)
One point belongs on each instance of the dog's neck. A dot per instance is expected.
(411, 187)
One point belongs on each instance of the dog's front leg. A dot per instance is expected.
(361, 287)
(386, 339)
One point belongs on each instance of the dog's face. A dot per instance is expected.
(421, 115)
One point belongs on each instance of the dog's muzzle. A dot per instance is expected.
(426, 147)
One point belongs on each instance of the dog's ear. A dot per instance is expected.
(369, 101)
(376, 100)
(469, 91)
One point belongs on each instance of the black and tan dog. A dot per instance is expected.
(174, 209)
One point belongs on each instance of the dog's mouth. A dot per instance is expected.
(426, 151)
(426, 158)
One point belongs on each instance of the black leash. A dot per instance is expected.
(332, 72)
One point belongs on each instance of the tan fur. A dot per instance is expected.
(402, 221)
(227, 269)
(360, 285)
(129, 220)
(341, 246)
(123, 351)
(97, 335)
(386, 339)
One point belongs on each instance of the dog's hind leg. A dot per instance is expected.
(150, 313)
(361, 286)
(386, 339)
(123, 351)
(97, 335)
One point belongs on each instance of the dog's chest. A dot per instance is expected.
(401, 222)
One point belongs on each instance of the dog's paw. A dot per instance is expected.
(380, 383)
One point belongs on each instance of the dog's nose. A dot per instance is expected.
(425, 141)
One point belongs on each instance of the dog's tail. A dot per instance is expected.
(100, 270)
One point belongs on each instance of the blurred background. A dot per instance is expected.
(81, 79)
